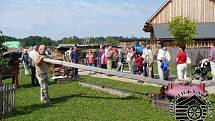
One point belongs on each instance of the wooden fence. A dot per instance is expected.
(7, 99)
(195, 54)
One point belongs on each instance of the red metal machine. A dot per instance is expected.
(185, 90)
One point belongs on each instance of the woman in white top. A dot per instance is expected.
(162, 54)
(128, 58)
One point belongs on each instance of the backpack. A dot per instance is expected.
(165, 67)
(25, 57)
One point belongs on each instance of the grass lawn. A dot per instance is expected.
(72, 102)
(172, 67)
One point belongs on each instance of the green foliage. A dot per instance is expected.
(4, 62)
(8, 38)
(37, 40)
(183, 29)
(70, 40)
(113, 40)
(93, 40)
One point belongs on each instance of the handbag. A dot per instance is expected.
(188, 60)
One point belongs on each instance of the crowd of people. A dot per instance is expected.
(139, 57)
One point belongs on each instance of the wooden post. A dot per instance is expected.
(7, 99)
(0, 79)
(1, 102)
(4, 100)
(13, 96)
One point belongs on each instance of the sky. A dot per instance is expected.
(83, 18)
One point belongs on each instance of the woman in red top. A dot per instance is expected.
(139, 64)
(181, 63)
(90, 59)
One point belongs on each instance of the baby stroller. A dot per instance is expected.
(201, 71)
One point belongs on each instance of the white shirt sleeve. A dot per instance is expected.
(167, 56)
(161, 54)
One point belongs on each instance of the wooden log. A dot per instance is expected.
(110, 72)
(209, 83)
(109, 90)
(4, 100)
(13, 96)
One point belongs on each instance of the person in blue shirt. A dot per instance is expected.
(25, 60)
(139, 48)
(74, 59)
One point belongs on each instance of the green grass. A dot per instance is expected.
(173, 69)
(71, 102)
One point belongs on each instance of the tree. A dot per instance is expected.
(112, 40)
(37, 40)
(183, 30)
(3, 61)
(70, 40)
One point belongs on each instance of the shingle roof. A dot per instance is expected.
(204, 31)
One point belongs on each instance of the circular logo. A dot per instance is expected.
(192, 108)
(194, 112)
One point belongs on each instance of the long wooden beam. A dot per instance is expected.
(110, 72)
(139, 78)
(209, 83)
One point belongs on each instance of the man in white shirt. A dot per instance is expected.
(144, 56)
(67, 54)
(160, 58)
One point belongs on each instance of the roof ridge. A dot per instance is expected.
(158, 10)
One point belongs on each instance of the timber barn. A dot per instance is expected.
(201, 11)
(127, 42)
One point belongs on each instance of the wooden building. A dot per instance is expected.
(201, 11)
(127, 42)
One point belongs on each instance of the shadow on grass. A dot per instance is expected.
(25, 110)
(30, 85)
(34, 107)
